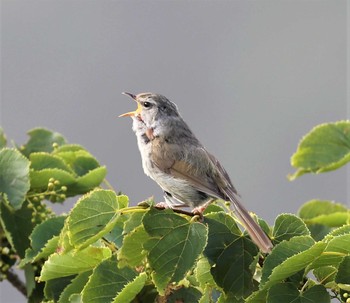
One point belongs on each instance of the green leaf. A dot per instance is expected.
(3, 140)
(183, 294)
(343, 275)
(288, 226)
(75, 298)
(37, 294)
(295, 263)
(14, 176)
(336, 249)
(316, 294)
(175, 246)
(42, 140)
(132, 252)
(134, 220)
(224, 225)
(231, 299)
(53, 288)
(89, 181)
(159, 223)
(203, 274)
(326, 147)
(213, 208)
(283, 292)
(29, 275)
(147, 294)
(318, 231)
(344, 230)
(40, 179)
(315, 208)
(232, 253)
(131, 289)
(331, 220)
(76, 186)
(75, 287)
(73, 263)
(50, 247)
(324, 212)
(288, 258)
(106, 281)
(45, 231)
(82, 165)
(17, 225)
(116, 235)
(344, 288)
(93, 216)
(325, 274)
(80, 160)
(232, 272)
(68, 148)
(257, 297)
(206, 296)
(40, 236)
(43, 160)
(211, 295)
(288, 293)
(64, 243)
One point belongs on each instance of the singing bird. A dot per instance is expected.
(174, 158)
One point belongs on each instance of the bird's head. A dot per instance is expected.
(151, 107)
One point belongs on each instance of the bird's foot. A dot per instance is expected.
(161, 205)
(176, 209)
(198, 211)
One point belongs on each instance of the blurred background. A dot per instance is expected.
(249, 77)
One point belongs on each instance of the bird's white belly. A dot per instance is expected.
(179, 189)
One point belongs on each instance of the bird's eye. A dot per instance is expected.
(147, 104)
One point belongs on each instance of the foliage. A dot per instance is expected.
(107, 251)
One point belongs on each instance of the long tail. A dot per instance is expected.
(255, 231)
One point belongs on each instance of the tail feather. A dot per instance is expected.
(255, 231)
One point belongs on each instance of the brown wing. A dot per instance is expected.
(193, 164)
(205, 173)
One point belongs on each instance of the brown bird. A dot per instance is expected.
(174, 158)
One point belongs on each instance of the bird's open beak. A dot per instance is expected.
(137, 111)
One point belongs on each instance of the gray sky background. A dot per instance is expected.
(249, 77)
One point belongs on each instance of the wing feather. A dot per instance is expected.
(205, 173)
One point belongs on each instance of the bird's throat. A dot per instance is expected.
(149, 133)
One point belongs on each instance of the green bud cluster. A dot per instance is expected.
(8, 257)
(346, 297)
(54, 193)
(40, 212)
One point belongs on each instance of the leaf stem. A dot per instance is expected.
(108, 185)
(132, 209)
(334, 253)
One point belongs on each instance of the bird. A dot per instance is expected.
(175, 159)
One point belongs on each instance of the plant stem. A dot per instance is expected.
(16, 282)
(108, 185)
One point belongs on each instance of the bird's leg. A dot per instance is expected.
(174, 204)
(200, 209)
(170, 202)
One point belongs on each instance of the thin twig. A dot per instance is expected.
(16, 282)
(177, 210)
